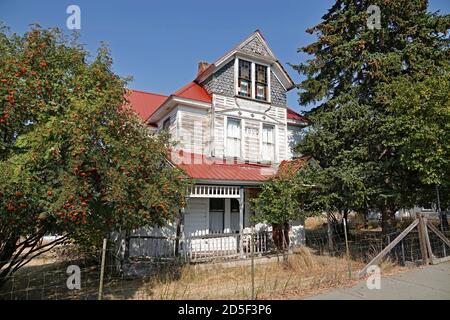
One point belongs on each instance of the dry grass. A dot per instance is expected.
(313, 223)
(301, 274)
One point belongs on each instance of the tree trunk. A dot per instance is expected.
(387, 220)
(330, 233)
(345, 217)
(278, 230)
(178, 234)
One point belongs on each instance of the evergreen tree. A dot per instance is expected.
(356, 76)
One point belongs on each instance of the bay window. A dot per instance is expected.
(233, 137)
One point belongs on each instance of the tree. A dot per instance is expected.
(349, 76)
(287, 197)
(74, 159)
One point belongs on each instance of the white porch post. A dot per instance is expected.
(241, 219)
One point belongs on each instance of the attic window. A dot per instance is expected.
(261, 82)
(245, 78)
(253, 80)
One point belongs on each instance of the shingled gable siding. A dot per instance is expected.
(222, 82)
(255, 47)
(277, 92)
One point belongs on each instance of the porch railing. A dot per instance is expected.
(201, 247)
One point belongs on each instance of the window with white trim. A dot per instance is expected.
(233, 137)
(216, 215)
(261, 82)
(268, 143)
(253, 80)
(245, 78)
(234, 215)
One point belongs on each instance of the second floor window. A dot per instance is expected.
(166, 124)
(268, 143)
(245, 78)
(233, 137)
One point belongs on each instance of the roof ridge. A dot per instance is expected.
(184, 88)
(146, 92)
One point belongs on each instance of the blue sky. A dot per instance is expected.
(160, 42)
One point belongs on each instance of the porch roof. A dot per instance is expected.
(201, 167)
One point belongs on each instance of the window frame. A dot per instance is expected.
(241, 78)
(253, 83)
(227, 137)
(274, 137)
(210, 230)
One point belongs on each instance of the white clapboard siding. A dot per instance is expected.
(219, 135)
(195, 217)
(194, 131)
(281, 143)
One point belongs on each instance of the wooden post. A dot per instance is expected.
(403, 253)
(422, 241)
(347, 250)
(439, 234)
(102, 271)
(390, 246)
(252, 252)
(427, 240)
(241, 219)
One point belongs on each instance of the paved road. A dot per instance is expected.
(425, 283)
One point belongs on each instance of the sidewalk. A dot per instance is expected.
(425, 283)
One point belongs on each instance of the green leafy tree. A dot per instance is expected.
(287, 197)
(354, 77)
(74, 159)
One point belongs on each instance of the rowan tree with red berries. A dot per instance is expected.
(74, 160)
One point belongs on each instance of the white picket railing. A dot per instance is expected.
(201, 247)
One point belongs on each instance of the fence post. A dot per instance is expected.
(347, 250)
(252, 254)
(422, 240)
(102, 271)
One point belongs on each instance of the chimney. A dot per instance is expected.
(202, 65)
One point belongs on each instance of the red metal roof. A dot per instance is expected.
(291, 114)
(193, 91)
(199, 166)
(144, 103)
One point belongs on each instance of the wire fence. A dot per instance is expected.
(323, 261)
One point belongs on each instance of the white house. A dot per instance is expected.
(234, 128)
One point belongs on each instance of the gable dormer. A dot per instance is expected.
(248, 71)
